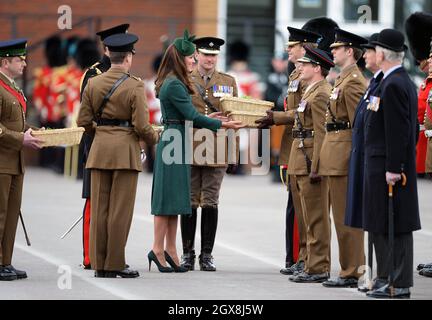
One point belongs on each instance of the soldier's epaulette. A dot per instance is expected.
(136, 78)
(227, 75)
(95, 68)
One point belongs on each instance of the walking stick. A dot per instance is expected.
(25, 230)
(391, 234)
(370, 260)
(71, 227)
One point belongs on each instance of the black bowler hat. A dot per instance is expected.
(369, 45)
(13, 48)
(209, 45)
(302, 36)
(347, 39)
(122, 42)
(391, 39)
(122, 28)
(319, 57)
(418, 29)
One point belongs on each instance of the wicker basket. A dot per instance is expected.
(59, 137)
(245, 110)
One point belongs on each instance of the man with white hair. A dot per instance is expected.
(391, 131)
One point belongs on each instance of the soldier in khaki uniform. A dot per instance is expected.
(208, 167)
(349, 87)
(308, 134)
(14, 135)
(298, 39)
(98, 68)
(114, 157)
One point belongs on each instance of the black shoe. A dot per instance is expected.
(20, 274)
(287, 270)
(298, 267)
(426, 272)
(188, 261)
(7, 274)
(310, 278)
(173, 265)
(126, 273)
(153, 258)
(99, 274)
(376, 284)
(424, 265)
(86, 266)
(341, 283)
(206, 262)
(384, 293)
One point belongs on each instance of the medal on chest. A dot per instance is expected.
(222, 91)
(302, 106)
(335, 94)
(374, 103)
(294, 86)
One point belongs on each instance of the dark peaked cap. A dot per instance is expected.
(317, 56)
(301, 36)
(418, 29)
(348, 39)
(122, 28)
(122, 42)
(13, 48)
(325, 27)
(209, 45)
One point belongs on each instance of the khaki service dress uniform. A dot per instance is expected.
(314, 197)
(349, 87)
(114, 161)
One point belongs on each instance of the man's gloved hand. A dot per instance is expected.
(232, 169)
(314, 178)
(266, 121)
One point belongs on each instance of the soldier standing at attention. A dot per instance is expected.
(115, 100)
(298, 39)
(349, 87)
(206, 175)
(98, 68)
(14, 135)
(308, 134)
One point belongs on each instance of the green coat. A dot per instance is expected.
(171, 182)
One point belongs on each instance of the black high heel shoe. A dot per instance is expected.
(173, 265)
(153, 258)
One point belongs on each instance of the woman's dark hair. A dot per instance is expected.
(173, 64)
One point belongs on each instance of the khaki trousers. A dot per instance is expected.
(350, 240)
(205, 186)
(10, 205)
(112, 204)
(294, 188)
(314, 201)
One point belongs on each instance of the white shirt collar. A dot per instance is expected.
(389, 71)
(377, 74)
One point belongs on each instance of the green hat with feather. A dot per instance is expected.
(184, 45)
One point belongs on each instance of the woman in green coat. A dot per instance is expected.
(171, 178)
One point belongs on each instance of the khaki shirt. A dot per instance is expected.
(349, 87)
(12, 127)
(312, 117)
(116, 147)
(296, 88)
(219, 85)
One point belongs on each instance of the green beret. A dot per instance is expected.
(184, 45)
